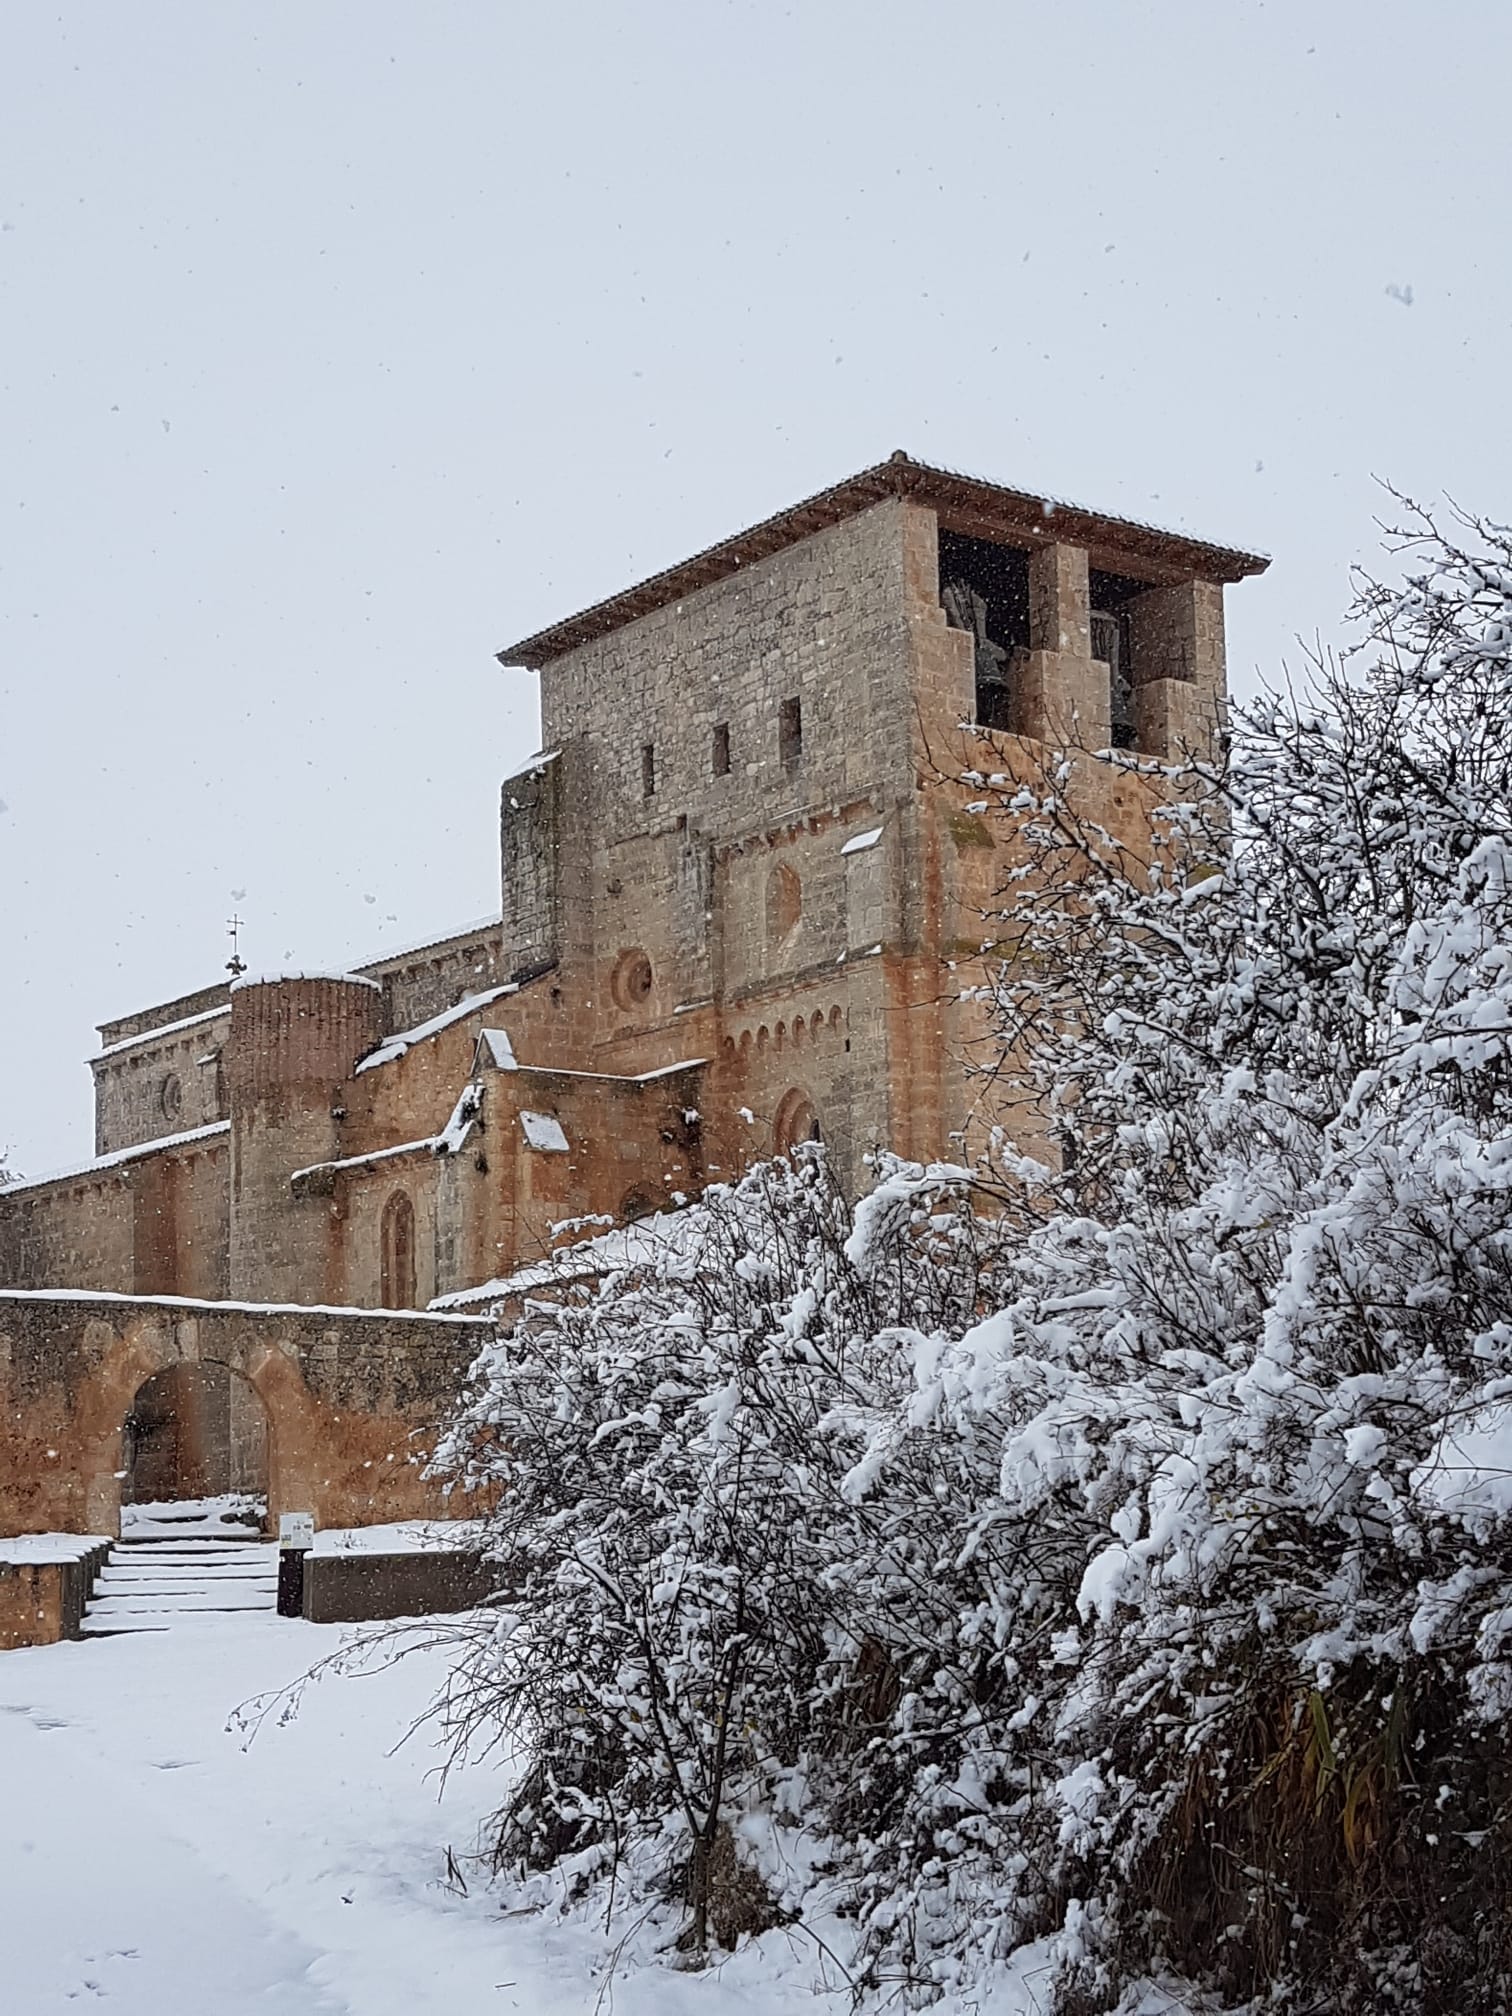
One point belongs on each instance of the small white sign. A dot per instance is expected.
(296, 1530)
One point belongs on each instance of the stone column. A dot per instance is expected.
(1060, 691)
(1060, 608)
(1180, 681)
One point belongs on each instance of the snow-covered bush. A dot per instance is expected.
(1129, 1563)
(703, 1586)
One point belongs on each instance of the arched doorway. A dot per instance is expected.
(194, 1431)
(796, 1122)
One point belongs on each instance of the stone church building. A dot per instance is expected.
(732, 886)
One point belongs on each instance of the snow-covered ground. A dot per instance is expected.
(154, 1857)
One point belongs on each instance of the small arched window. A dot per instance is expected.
(397, 1265)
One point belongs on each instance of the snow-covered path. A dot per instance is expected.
(152, 1859)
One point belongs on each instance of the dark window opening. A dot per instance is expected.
(984, 590)
(1112, 642)
(790, 730)
(648, 770)
(722, 749)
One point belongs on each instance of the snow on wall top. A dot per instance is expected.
(164, 1029)
(536, 763)
(233, 1308)
(23, 1549)
(618, 1077)
(403, 1536)
(395, 953)
(102, 1163)
(277, 979)
(393, 1047)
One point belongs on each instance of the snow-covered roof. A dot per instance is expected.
(164, 1029)
(463, 1116)
(409, 949)
(543, 1131)
(102, 1164)
(618, 1077)
(608, 1252)
(393, 1047)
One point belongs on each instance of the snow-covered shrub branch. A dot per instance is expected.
(703, 1577)
(1129, 1567)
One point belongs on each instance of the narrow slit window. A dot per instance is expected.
(648, 770)
(722, 749)
(790, 730)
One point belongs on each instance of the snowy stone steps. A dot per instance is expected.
(182, 1591)
(181, 1572)
(232, 1550)
(118, 1575)
(123, 1585)
(137, 1535)
(139, 1551)
(167, 1602)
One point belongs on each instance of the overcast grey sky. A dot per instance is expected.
(341, 344)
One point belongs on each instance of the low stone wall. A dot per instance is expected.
(43, 1601)
(353, 1400)
(360, 1588)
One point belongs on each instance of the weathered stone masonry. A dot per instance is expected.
(738, 891)
(351, 1401)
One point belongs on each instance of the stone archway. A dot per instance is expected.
(796, 1122)
(134, 1355)
(195, 1429)
(353, 1401)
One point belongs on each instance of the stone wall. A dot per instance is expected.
(352, 1401)
(498, 1200)
(147, 1086)
(151, 1224)
(423, 981)
(821, 621)
(361, 1588)
(530, 822)
(706, 905)
(43, 1601)
(754, 842)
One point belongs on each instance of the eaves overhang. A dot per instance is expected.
(964, 504)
